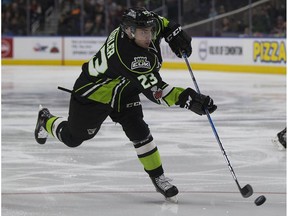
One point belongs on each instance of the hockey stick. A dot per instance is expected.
(247, 190)
(64, 89)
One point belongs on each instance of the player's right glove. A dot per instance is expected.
(195, 102)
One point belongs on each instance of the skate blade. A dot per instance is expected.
(173, 199)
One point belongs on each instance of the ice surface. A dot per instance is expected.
(104, 177)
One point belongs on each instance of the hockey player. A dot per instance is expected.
(110, 83)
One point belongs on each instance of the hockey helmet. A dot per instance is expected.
(138, 18)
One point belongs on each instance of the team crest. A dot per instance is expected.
(140, 62)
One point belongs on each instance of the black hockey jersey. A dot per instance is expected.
(121, 69)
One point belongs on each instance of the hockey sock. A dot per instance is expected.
(49, 124)
(54, 126)
(149, 156)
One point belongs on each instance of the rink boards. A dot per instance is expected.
(260, 55)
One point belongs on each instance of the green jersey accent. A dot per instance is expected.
(84, 86)
(120, 94)
(165, 22)
(104, 93)
(171, 98)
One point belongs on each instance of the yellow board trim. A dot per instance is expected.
(227, 68)
(30, 62)
(74, 62)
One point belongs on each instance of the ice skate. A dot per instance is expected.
(163, 186)
(276, 142)
(280, 140)
(40, 133)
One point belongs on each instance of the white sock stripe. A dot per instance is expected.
(55, 125)
(146, 148)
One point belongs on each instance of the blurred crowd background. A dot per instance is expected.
(237, 18)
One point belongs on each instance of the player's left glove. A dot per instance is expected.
(178, 40)
(195, 102)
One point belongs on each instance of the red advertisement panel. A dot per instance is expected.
(7, 48)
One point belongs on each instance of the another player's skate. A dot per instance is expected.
(40, 133)
(280, 140)
(164, 187)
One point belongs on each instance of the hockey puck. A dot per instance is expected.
(260, 200)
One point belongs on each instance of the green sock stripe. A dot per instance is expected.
(49, 124)
(151, 162)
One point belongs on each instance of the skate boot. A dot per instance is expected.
(40, 132)
(164, 187)
(280, 140)
(282, 137)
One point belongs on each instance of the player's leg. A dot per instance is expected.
(135, 128)
(84, 121)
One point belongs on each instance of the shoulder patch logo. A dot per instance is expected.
(140, 62)
(157, 92)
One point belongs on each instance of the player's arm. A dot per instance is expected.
(156, 90)
(187, 98)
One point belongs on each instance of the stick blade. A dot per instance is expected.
(246, 191)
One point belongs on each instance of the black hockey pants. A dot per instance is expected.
(86, 117)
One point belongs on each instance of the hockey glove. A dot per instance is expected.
(195, 102)
(178, 41)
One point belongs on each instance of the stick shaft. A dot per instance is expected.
(212, 126)
(64, 89)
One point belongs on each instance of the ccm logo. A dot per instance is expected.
(129, 105)
(174, 33)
